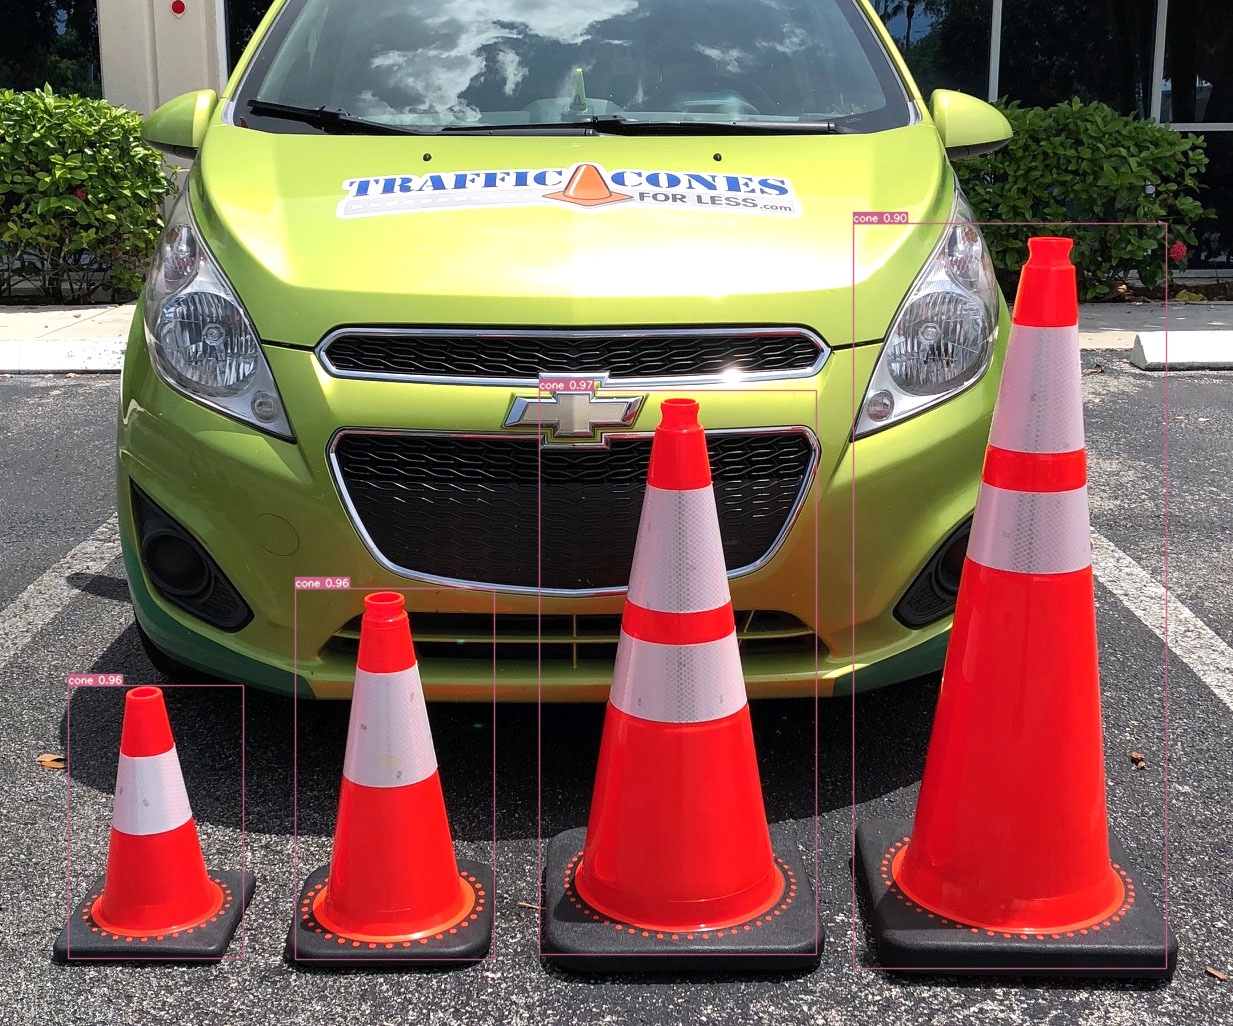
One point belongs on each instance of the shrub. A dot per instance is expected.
(1077, 162)
(80, 197)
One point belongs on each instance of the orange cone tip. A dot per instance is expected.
(679, 458)
(1048, 295)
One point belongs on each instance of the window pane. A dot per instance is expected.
(1198, 74)
(1216, 233)
(1053, 52)
(54, 42)
(945, 42)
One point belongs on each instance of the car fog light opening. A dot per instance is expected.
(181, 571)
(175, 564)
(931, 596)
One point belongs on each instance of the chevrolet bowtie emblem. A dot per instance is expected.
(577, 417)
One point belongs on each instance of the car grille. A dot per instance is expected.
(467, 509)
(520, 357)
(564, 639)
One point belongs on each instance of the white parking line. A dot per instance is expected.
(39, 604)
(1196, 644)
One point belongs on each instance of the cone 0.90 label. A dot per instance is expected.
(879, 217)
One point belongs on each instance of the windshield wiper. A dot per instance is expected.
(337, 121)
(333, 120)
(618, 124)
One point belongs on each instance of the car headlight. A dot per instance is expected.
(941, 340)
(201, 340)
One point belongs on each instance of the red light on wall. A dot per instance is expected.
(177, 7)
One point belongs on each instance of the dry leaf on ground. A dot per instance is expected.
(50, 761)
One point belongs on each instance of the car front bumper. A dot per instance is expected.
(268, 511)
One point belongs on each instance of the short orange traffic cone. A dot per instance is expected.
(676, 868)
(393, 889)
(587, 188)
(157, 899)
(1009, 864)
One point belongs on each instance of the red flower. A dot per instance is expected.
(81, 194)
(1177, 252)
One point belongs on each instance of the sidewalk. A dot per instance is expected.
(63, 338)
(59, 339)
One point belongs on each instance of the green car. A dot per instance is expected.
(432, 272)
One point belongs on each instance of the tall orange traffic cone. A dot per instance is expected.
(1009, 864)
(677, 869)
(157, 900)
(393, 889)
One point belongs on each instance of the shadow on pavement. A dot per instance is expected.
(891, 734)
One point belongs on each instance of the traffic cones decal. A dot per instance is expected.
(587, 188)
(157, 900)
(1009, 864)
(676, 868)
(394, 889)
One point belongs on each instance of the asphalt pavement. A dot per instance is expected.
(64, 609)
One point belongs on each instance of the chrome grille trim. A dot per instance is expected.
(649, 334)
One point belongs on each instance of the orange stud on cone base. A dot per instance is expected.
(588, 188)
(157, 900)
(676, 868)
(1009, 865)
(394, 890)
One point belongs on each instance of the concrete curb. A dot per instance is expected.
(1186, 350)
(62, 356)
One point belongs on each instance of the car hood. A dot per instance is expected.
(318, 231)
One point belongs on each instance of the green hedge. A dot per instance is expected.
(80, 198)
(1077, 162)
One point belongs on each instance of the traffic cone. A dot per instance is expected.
(1009, 864)
(676, 869)
(587, 188)
(393, 890)
(157, 900)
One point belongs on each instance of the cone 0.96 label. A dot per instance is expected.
(322, 583)
(86, 680)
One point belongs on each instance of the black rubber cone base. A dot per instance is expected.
(84, 940)
(575, 936)
(1132, 942)
(311, 945)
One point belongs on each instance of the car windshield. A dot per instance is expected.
(501, 64)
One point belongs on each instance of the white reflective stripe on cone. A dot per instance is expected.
(1040, 402)
(1031, 532)
(679, 557)
(678, 683)
(389, 743)
(150, 795)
